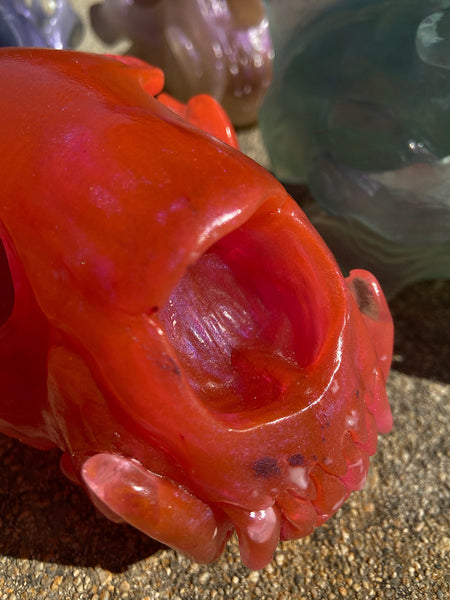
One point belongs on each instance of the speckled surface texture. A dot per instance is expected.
(392, 540)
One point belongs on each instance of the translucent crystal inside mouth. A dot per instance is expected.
(246, 318)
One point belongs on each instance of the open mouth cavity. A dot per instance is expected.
(248, 316)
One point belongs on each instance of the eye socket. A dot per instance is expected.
(7, 294)
(249, 317)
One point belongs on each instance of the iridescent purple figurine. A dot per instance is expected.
(219, 47)
(42, 23)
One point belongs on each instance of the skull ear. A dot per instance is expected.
(375, 312)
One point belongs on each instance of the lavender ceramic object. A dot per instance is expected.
(219, 47)
(44, 23)
(359, 110)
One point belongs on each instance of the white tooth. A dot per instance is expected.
(262, 524)
(298, 476)
(351, 420)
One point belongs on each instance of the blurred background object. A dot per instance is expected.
(44, 23)
(219, 47)
(359, 111)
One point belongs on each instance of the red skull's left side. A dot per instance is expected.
(106, 198)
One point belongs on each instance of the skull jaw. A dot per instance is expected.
(274, 469)
(303, 490)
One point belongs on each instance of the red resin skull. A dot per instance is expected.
(171, 320)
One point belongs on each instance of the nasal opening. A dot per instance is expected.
(7, 294)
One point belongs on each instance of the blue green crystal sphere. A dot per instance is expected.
(359, 108)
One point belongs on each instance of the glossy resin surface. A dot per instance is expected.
(43, 23)
(171, 320)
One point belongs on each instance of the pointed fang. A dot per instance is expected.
(157, 506)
